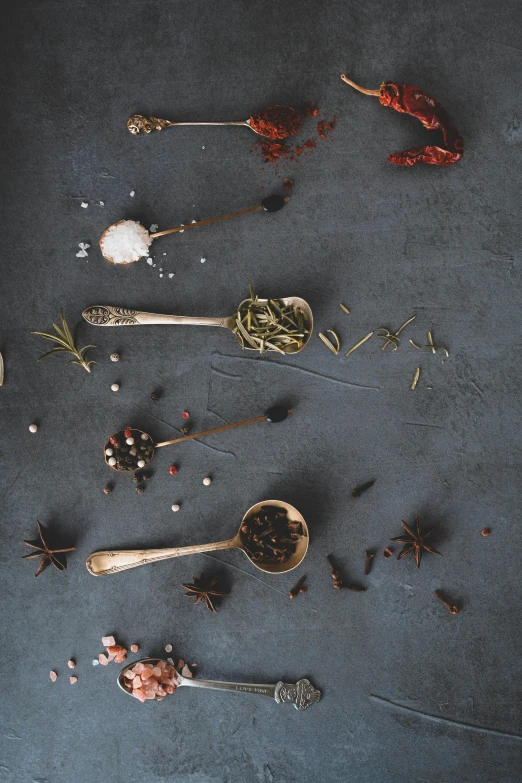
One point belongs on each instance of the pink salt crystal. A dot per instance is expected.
(108, 641)
(139, 668)
(111, 657)
(169, 688)
(103, 659)
(53, 676)
(71, 664)
(150, 694)
(168, 648)
(72, 680)
(139, 695)
(114, 649)
(137, 683)
(129, 674)
(156, 671)
(120, 658)
(161, 665)
(134, 648)
(185, 672)
(146, 673)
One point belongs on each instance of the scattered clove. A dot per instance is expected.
(337, 581)
(388, 552)
(298, 588)
(358, 491)
(368, 561)
(452, 609)
(486, 532)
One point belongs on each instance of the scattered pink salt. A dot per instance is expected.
(53, 676)
(168, 648)
(185, 672)
(134, 648)
(114, 649)
(103, 659)
(72, 680)
(71, 664)
(108, 641)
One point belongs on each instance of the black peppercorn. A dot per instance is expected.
(136, 479)
(140, 490)
(108, 489)
(155, 396)
(186, 429)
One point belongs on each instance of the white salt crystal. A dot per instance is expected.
(202, 148)
(132, 194)
(203, 260)
(81, 254)
(165, 253)
(171, 274)
(168, 648)
(102, 203)
(149, 261)
(95, 662)
(125, 242)
(161, 275)
(169, 660)
(194, 221)
(153, 228)
(83, 245)
(84, 204)
(160, 269)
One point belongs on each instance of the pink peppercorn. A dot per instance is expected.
(127, 432)
(173, 470)
(185, 415)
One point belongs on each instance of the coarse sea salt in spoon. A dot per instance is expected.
(128, 240)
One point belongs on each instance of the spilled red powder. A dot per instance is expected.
(324, 127)
(277, 153)
(310, 109)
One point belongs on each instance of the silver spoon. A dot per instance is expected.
(132, 449)
(139, 124)
(269, 204)
(107, 562)
(302, 694)
(111, 315)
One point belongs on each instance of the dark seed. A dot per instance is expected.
(155, 396)
(108, 489)
(140, 490)
(276, 414)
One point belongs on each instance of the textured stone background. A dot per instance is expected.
(388, 242)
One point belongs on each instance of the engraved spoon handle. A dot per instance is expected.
(139, 124)
(111, 315)
(301, 694)
(107, 562)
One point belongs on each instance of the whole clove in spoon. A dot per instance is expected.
(273, 122)
(282, 325)
(288, 537)
(132, 449)
(301, 694)
(128, 240)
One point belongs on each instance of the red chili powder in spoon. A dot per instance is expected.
(277, 122)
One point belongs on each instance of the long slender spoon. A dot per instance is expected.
(132, 449)
(302, 694)
(112, 315)
(122, 228)
(112, 561)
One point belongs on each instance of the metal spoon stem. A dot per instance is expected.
(208, 220)
(212, 431)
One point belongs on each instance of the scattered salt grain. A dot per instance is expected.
(149, 261)
(153, 228)
(53, 676)
(72, 680)
(169, 660)
(115, 387)
(84, 204)
(134, 648)
(95, 662)
(203, 148)
(161, 275)
(132, 194)
(165, 253)
(71, 664)
(33, 428)
(185, 672)
(103, 659)
(161, 270)
(175, 507)
(207, 481)
(203, 260)
(102, 203)
(194, 221)
(171, 274)
(125, 242)
(108, 641)
(83, 250)
(168, 648)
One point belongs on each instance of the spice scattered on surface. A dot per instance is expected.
(358, 491)
(388, 552)
(47, 553)
(72, 680)
(103, 659)
(207, 481)
(168, 648)
(203, 590)
(431, 346)
(288, 183)
(186, 429)
(324, 128)
(82, 253)
(270, 325)
(140, 490)
(202, 260)
(333, 348)
(415, 541)
(175, 507)
(150, 680)
(115, 357)
(486, 532)
(132, 194)
(269, 536)
(134, 648)
(185, 415)
(108, 641)
(452, 609)
(125, 242)
(310, 109)
(298, 588)
(338, 584)
(155, 396)
(1, 370)
(115, 387)
(344, 309)
(392, 338)
(416, 376)
(358, 345)
(368, 555)
(84, 204)
(154, 227)
(173, 470)
(277, 122)
(95, 662)
(71, 664)
(64, 343)
(53, 676)
(108, 489)
(33, 428)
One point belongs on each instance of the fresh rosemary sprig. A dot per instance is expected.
(65, 344)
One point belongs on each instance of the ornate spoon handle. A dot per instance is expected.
(107, 562)
(140, 124)
(302, 694)
(110, 315)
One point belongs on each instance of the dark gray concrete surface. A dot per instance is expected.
(410, 693)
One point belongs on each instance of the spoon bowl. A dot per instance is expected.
(107, 562)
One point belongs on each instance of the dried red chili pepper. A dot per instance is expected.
(408, 99)
(277, 122)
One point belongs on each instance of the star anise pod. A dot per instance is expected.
(415, 541)
(48, 555)
(203, 590)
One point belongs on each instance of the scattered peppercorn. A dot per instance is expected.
(486, 532)
(298, 588)
(173, 470)
(136, 479)
(207, 481)
(140, 490)
(388, 552)
(33, 428)
(185, 415)
(115, 387)
(108, 489)
(337, 581)
(186, 429)
(155, 396)
(115, 357)
(128, 432)
(176, 507)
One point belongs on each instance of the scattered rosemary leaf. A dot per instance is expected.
(344, 309)
(415, 345)
(327, 342)
(430, 343)
(337, 341)
(433, 347)
(415, 379)
(1, 370)
(361, 342)
(405, 324)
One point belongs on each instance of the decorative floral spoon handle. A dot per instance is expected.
(302, 694)
(140, 124)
